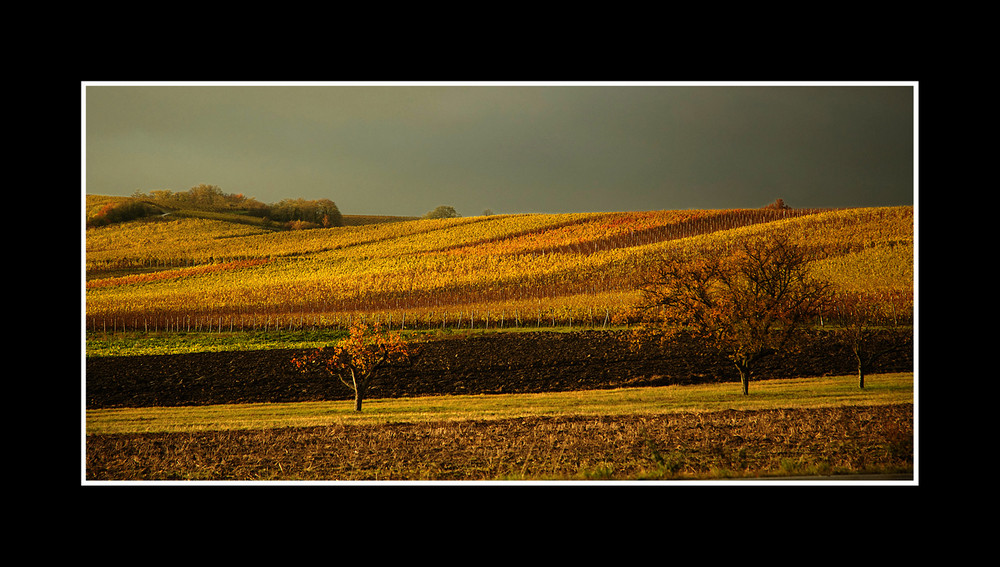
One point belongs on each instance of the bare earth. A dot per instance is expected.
(491, 363)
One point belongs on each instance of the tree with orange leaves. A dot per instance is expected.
(357, 359)
(748, 301)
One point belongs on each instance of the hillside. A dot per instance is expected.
(198, 272)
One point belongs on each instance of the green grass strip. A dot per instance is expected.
(137, 343)
(828, 391)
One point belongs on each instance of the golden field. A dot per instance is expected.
(177, 272)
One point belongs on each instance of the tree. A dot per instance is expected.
(860, 317)
(205, 195)
(321, 212)
(749, 301)
(442, 212)
(778, 204)
(357, 359)
(327, 213)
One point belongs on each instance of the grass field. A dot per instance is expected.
(829, 391)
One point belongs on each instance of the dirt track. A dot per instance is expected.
(488, 363)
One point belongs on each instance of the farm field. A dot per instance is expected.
(195, 312)
(839, 442)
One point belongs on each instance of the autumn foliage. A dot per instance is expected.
(357, 359)
(748, 300)
(468, 272)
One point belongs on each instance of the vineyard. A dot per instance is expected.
(175, 272)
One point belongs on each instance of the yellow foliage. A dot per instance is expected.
(554, 268)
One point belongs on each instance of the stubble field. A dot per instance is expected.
(719, 445)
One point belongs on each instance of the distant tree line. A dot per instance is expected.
(201, 197)
(292, 213)
(295, 213)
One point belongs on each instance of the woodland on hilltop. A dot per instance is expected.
(294, 214)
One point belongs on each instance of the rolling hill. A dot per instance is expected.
(194, 271)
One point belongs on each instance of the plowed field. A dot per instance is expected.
(490, 363)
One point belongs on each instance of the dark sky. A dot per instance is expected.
(404, 149)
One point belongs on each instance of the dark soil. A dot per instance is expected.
(490, 363)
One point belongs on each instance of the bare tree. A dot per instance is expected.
(749, 301)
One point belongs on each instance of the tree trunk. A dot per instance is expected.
(862, 367)
(359, 390)
(744, 369)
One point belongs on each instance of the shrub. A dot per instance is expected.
(120, 212)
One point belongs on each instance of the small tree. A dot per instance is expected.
(357, 359)
(748, 302)
(442, 212)
(778, 204)
(860, 317)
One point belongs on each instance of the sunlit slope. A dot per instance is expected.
(866, 250)
(524, 266)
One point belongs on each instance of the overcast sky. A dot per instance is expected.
(404, 149)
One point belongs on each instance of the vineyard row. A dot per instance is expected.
(484, 315)
(579, 234)
(460, 319)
